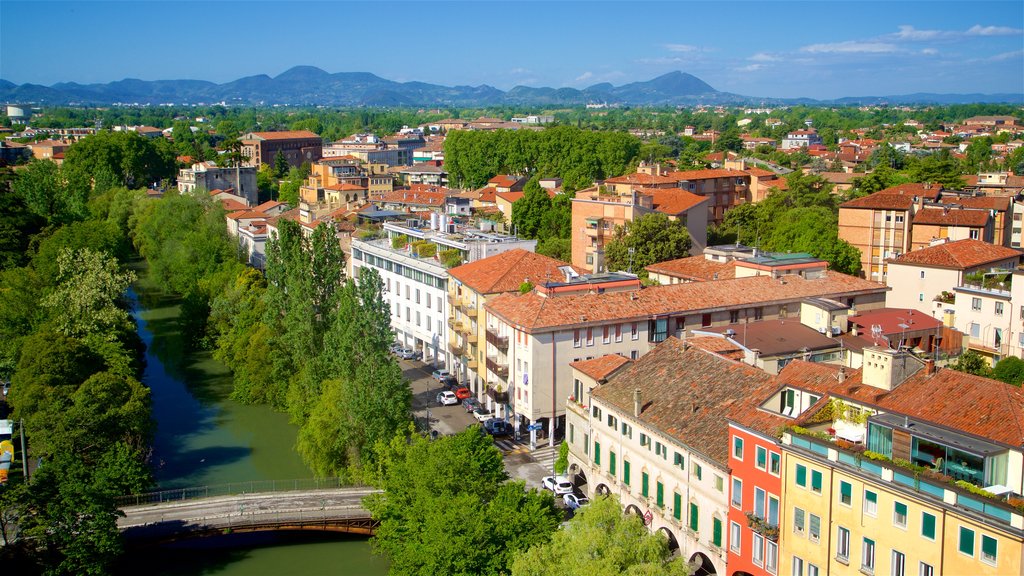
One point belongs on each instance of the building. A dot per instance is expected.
(989, 309)
(478, 347)
(208, 176)
(297, 146)
(655, 434)
(48, 149)
(370, 149)
(922, 276)
(801, 139)
(426, 174)
(555, 325)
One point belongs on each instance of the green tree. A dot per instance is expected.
(972, 363)
(1010, 370)
(938, 168)
(815, 231)
(557, 248)
(601, 541)
(281, 166)
(447, 507)
(17, 224)
(529, 211)
(55, 193)
(647, 240)
(133, 160)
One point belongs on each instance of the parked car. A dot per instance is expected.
(409, 354)
(450, 382)
(395, 347)
(558, 484)
(463, 393)
(447, 398)
(470, 404)
(498, 427)
(439, 375)
(574, 502)
(481, 414)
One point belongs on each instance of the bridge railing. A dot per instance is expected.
(233, 489)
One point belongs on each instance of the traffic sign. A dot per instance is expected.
(533, 427)
(648, 517)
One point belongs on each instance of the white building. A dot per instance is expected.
(208, 176)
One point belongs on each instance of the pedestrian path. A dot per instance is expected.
(543, 455)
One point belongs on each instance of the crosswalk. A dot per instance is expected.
(544, 455)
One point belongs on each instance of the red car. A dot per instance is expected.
(462, 393)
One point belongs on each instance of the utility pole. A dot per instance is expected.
(24, 454)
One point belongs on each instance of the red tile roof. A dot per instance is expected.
(285, 135)
(504, 180)
(899, 197)
(507, 271)
(233, 205)
(418, 198)
(601, 367)
(1000, 203)
(641, 179)
(533, 313)
(673, 201)
(707, 174)
(695, 268)
(958, 255)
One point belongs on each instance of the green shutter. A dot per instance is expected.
(871, 496)
(801, 475)
(716, 533)
(694, 520)
(988, 547)
(966, 541)
(611, 463)
(597, 452)
(677, 506)
(816, 480)
(645, 488)
(845, 491)
(927, 525)
(901, 510)
(660, 495)
(625, 472)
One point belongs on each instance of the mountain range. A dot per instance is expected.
(308, 85)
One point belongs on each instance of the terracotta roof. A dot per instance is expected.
(424, 168)
(1000, 203)
(673, 201)
(958, 255)
(695, 268)
(719, 346)
(507, 271)
(233, 205)
(688, 394)
(504, 180)
(952, 217)
(894, 321)
(602, 367)
(533, 312)
(760, 172)
(641, 179)
(268, 205)
(419, 198)
(706, 174)
(777, 337)
(510, 197)
(285, 135)
(899, 197)
(245, 215)
(487, 194)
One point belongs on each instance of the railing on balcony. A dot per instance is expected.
(500, 397)
(593, 232)
(471, 364)
(454, 324)
(471, 337)
(499, 342)
(455, 349)
(469, 310)
(499, 368)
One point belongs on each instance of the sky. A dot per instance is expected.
(822, 49)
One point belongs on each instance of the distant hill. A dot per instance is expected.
(309, 85)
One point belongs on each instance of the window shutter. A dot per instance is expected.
(801, 475)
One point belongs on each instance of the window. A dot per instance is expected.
(773, 511)
(928, 525)
(735, 537)
(975, 330)
(606, 337)
(812, 570)
(771, 556)
(737, 493)
(759, 502)
(576, 342)
(761, 459)
(618, 332)
(843, 545)
(597, 452)
(925, 570)
(975, 303)
(758, 313)
(633, 355)
(757, 552)
(694, 517)
(659, 494)
(572, 433)
(627, 430)
(635, 331)
(678, 460)
(625, 472)
(867, 556)
(899, 514)
(801, 475)
(658, 329)
(734, 316)
(798, 566)
(774, 463)
(613, 422)
(989, 549)
(590, 336)
(645, 484)
(814, 528)
(716, 532)
(816, 481)
(719, 483)
(696, 470)
(645, 440)
(870, 503)
(966, 545)
(661, 450)
(974, 233)
(595, 412)
(898, 565)
(845, 493)
(586, 443)
(922, 274)
(737, 447)
(999, 308)
(798, 521)
(611, 463)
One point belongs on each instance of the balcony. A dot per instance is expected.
(471, 337)
(499, 342)
(593, 232)
(498, 394)
(455, 349)
(454, 324)
(499, 368)
(469, 310)
(471, 364)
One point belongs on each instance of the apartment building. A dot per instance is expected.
(801, 139)
(556, 326)
(370, 149)
(297, 146)
(479, 349)
(989, 310)
(208, 176)
(655, 434)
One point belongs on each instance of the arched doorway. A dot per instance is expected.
(603, 490)
(632, 509)
(701, 565)
(673, 544)
(578, 477)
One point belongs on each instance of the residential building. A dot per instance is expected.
(554, 326)
(297, 146)
(930, 223)
(47, 149)
(370, 149)
(426, 174)
(989, 310)
(656, 435)
(479, 348)
(801, 139)
(920, 277)
(208, 176)
(755, 494)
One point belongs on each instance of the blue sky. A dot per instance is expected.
(768, 48)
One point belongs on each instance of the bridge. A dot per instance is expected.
(321, 505)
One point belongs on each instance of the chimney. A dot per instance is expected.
(929, 367)
(842, 374)
(637, 404)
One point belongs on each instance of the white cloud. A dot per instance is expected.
(750, 68)
(979, 30)
(851, 47)
(1007, 56)
(913, 34)
(682, 48)
(520, 71)
(585, 76)
(929, 51)
(764, 57)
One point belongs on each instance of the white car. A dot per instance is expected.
(482, 415)
(447, 398)
(440, 375)
(574, 502)
(560, 485)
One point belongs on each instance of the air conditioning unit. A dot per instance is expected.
(836, 331)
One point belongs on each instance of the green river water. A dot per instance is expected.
(204, 437)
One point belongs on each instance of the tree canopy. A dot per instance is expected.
(647, 240)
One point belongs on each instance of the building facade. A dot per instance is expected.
(297, 146)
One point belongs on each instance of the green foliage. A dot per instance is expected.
(557, 248)
(1010, 370)
(938, 168)
(85, 301)
(528, 212)
(400, 241)
(562, 462)
(601, 541)
(451, 257)
(132, 160)
(17, 224)
(652, 238)
(57, 193)
(281, 166)
(447, 507)
(424, 249)
(972, 363)
(525, 287)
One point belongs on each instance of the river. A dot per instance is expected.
(204, 437)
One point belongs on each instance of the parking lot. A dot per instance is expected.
(520, 461)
